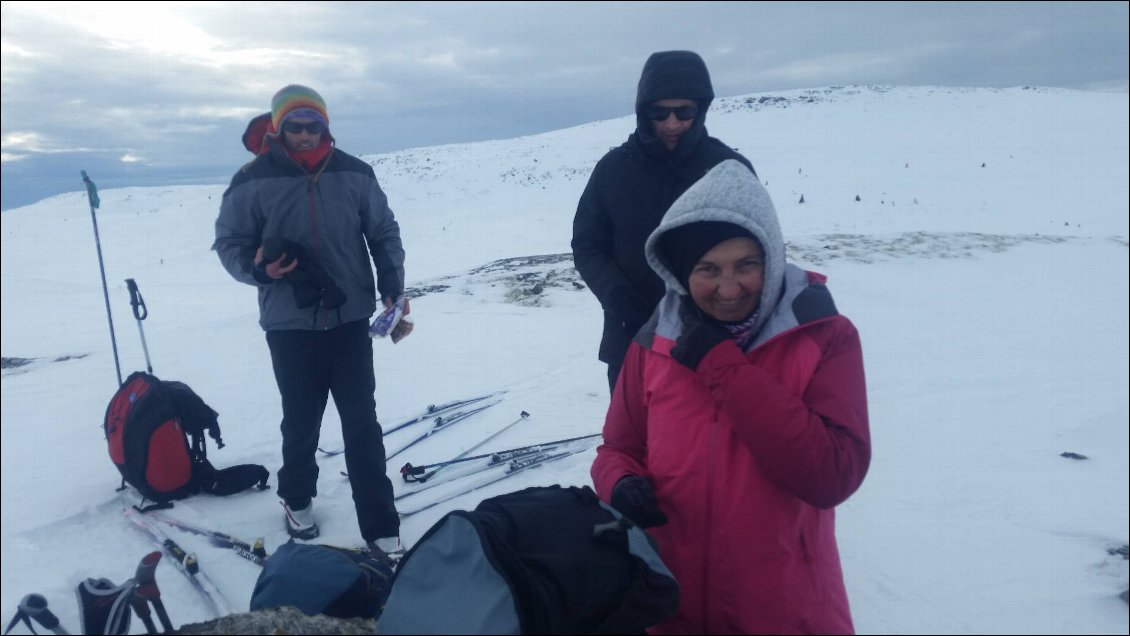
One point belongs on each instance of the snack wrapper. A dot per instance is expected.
(386, 322)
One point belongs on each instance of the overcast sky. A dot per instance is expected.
(149, 93)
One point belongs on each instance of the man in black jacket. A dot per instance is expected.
(633, 186)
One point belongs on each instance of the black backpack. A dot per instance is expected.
(155, 433)
(322, 579)
(545, 560)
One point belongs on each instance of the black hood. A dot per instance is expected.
(673, 75)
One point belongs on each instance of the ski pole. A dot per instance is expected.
(141, 608)
(439, 424)
(516, 466)
(147, 591)
(35, 606)
(140, 312)
(429, 412)
(92, 196)
(428, 475)
(409, 470)
(436, 409)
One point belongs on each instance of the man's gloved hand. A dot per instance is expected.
(631, 309)
(699, 336)
(634, 497)
(274, 259)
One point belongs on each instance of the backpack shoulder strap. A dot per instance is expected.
(195, 414)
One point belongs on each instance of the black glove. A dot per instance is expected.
(630, 308)
(634, 497)
(273, 249)
(259, 273)
(699, 336)
(310, 280)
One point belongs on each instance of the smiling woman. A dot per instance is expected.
(721, 264)
(739, 420)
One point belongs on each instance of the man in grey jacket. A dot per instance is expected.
(300, 224)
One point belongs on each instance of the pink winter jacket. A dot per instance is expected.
(749, 455)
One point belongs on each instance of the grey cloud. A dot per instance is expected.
(397, 75)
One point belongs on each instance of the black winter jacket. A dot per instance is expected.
(624, 201)
(631, 189)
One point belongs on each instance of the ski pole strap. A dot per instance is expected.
(140, 311)
(20, 616)
(35, 606)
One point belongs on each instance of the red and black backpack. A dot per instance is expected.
(155, 432)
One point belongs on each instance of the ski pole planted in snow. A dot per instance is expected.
(92, 196)
(140, 312)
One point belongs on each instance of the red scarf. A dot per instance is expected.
(310, 159)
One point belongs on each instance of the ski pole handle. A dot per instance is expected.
(140, 311)
(144, 575)
(35, 606)
(148, 592)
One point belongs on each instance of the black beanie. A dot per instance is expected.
(684, 246)
(674, 75)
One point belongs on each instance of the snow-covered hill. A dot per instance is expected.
(984, 262)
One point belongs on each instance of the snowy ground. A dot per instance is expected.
(992, 303)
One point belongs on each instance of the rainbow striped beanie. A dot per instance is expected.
(297, 100)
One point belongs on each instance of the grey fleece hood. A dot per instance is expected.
(732, 194)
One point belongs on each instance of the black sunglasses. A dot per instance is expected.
(683, 113)
(313, 127)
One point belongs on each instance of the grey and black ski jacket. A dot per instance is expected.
(339, 214)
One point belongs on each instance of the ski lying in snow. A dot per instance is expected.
(441, 423)
(184, 561)
(421, 477)
(431, 411)
(423, 473)
(514, 467)
(438, 425)
(461, 472)
(256, 553)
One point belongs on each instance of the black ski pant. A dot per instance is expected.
(310, 365)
